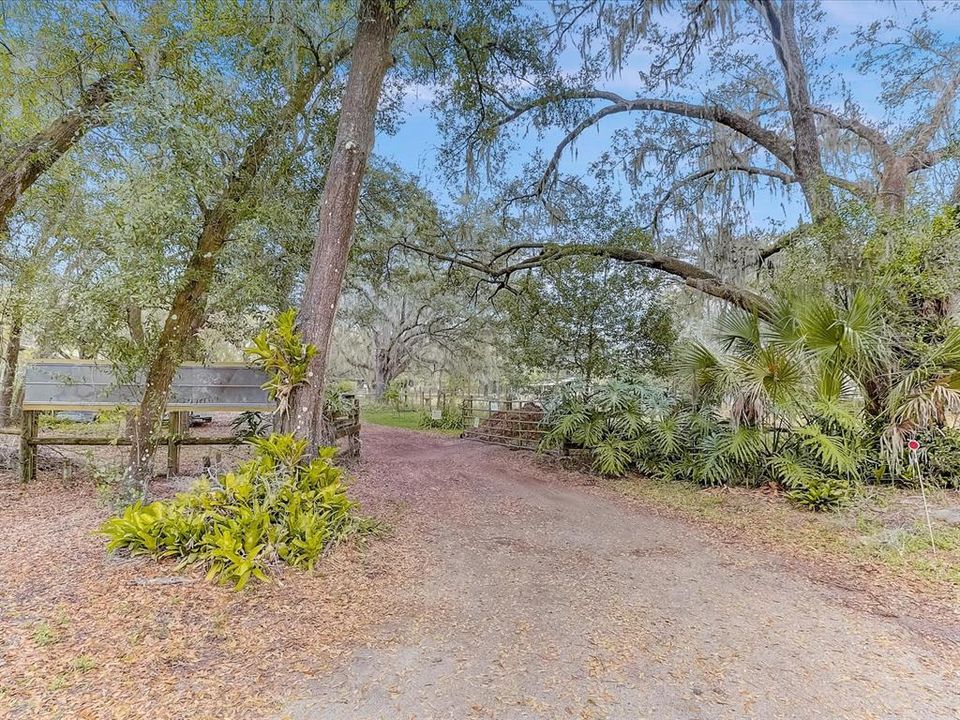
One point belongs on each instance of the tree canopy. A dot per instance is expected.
(174, 175)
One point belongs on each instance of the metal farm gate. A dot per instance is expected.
(512, 423)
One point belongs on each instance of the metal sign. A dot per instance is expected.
(85, 385)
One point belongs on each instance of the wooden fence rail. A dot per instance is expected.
(344, 426)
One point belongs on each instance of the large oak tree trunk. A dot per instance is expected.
(387, 367)
(892, 189)
(11, 363)
(381, 375)
(370, 59)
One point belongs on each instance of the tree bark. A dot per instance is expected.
(11, 363)
(371, 57)
(892, 189)
(179, 332)
(387, 367)
(381, 375)
(691, 275)
(188, 306)
(135, 323)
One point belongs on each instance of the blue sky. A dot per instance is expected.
(414, 146)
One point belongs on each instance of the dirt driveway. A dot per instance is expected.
(544, 597)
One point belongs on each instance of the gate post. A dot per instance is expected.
(466, 414)
(353, 441)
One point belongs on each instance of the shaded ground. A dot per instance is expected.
(542, 598)
(92, 636)
(507, 589)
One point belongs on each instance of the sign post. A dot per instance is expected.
(914, 447)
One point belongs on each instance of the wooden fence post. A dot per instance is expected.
(176, 425)
(353, 441)
(28, 451)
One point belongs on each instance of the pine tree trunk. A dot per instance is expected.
(369, 61)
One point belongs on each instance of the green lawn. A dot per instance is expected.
(409, 420)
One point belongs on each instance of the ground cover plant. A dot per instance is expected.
(278, 507)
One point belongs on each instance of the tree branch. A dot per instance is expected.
(784, 177)
(873, 136)
(691, 275)
(32, 158)
(939, 111)
(771, 141)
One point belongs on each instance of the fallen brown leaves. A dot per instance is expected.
(87, 635)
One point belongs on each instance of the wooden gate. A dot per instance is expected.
(512, 423)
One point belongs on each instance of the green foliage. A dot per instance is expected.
(938, 459)
(823, 493)
(392, 395)
(586, 317)
(774, 408)
(449, 419)
(610, 420)
(250, 424)
(277, 507)
(281, 353)
(44, 634)
(336, 402)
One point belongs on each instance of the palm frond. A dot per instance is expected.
(698, 366)
(793, 473)
(833, 451)
(738, 332)
(612, 457)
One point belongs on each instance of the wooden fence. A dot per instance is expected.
(512, 423)
(344, 426)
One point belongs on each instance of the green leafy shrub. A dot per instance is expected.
(824, 493)
(335, 401)
(939, 459)
(611, 421)
(448, 420)
(277, 507)
(393, 394)
(767, 410)
(250, 424)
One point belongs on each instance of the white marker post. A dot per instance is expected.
(914, 448)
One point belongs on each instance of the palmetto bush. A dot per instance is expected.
(610, 420)
(821, 394)
(276, 508)
(777, 401)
